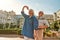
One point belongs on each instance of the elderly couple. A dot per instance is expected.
(33, 27)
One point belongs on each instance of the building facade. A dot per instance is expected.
(49, 17)
(21, 21)
(57, 15)
(7, 17)
(57, 18)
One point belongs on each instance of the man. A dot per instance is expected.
(43, 23)
(30, 24)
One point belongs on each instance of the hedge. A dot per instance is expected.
(10, 31)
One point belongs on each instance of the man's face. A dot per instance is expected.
(40, 14)
(31, 12)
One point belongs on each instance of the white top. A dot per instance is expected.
(43, 21)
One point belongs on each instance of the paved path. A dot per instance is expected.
(10, 37)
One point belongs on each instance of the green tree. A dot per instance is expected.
(56, 27)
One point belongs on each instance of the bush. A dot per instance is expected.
(10, 31)
(7, 25)
(1, 26)
(56, 27)
(12, 26)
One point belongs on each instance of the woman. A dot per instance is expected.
(30, 24)
(43, 23)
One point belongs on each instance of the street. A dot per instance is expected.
(10, 37)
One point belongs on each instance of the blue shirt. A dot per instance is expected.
(30, 24)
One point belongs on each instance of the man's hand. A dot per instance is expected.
(25, 7)
(35, 33)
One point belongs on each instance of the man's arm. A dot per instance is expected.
(22, 12)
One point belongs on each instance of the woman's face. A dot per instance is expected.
(31, 12)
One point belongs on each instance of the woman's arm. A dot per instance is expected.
(35, 23)
(22, 12)
(35, 33)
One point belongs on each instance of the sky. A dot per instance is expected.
(47, 6)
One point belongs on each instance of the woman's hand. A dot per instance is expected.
(25, 7)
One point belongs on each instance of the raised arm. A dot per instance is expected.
(22, 12)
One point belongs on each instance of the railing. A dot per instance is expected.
(12, 29)
(8, 26)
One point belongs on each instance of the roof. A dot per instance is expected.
(18, 16)
(49, 16)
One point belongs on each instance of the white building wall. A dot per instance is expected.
(4, 15)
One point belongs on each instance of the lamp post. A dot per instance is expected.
(9, 21)
(55, 16)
